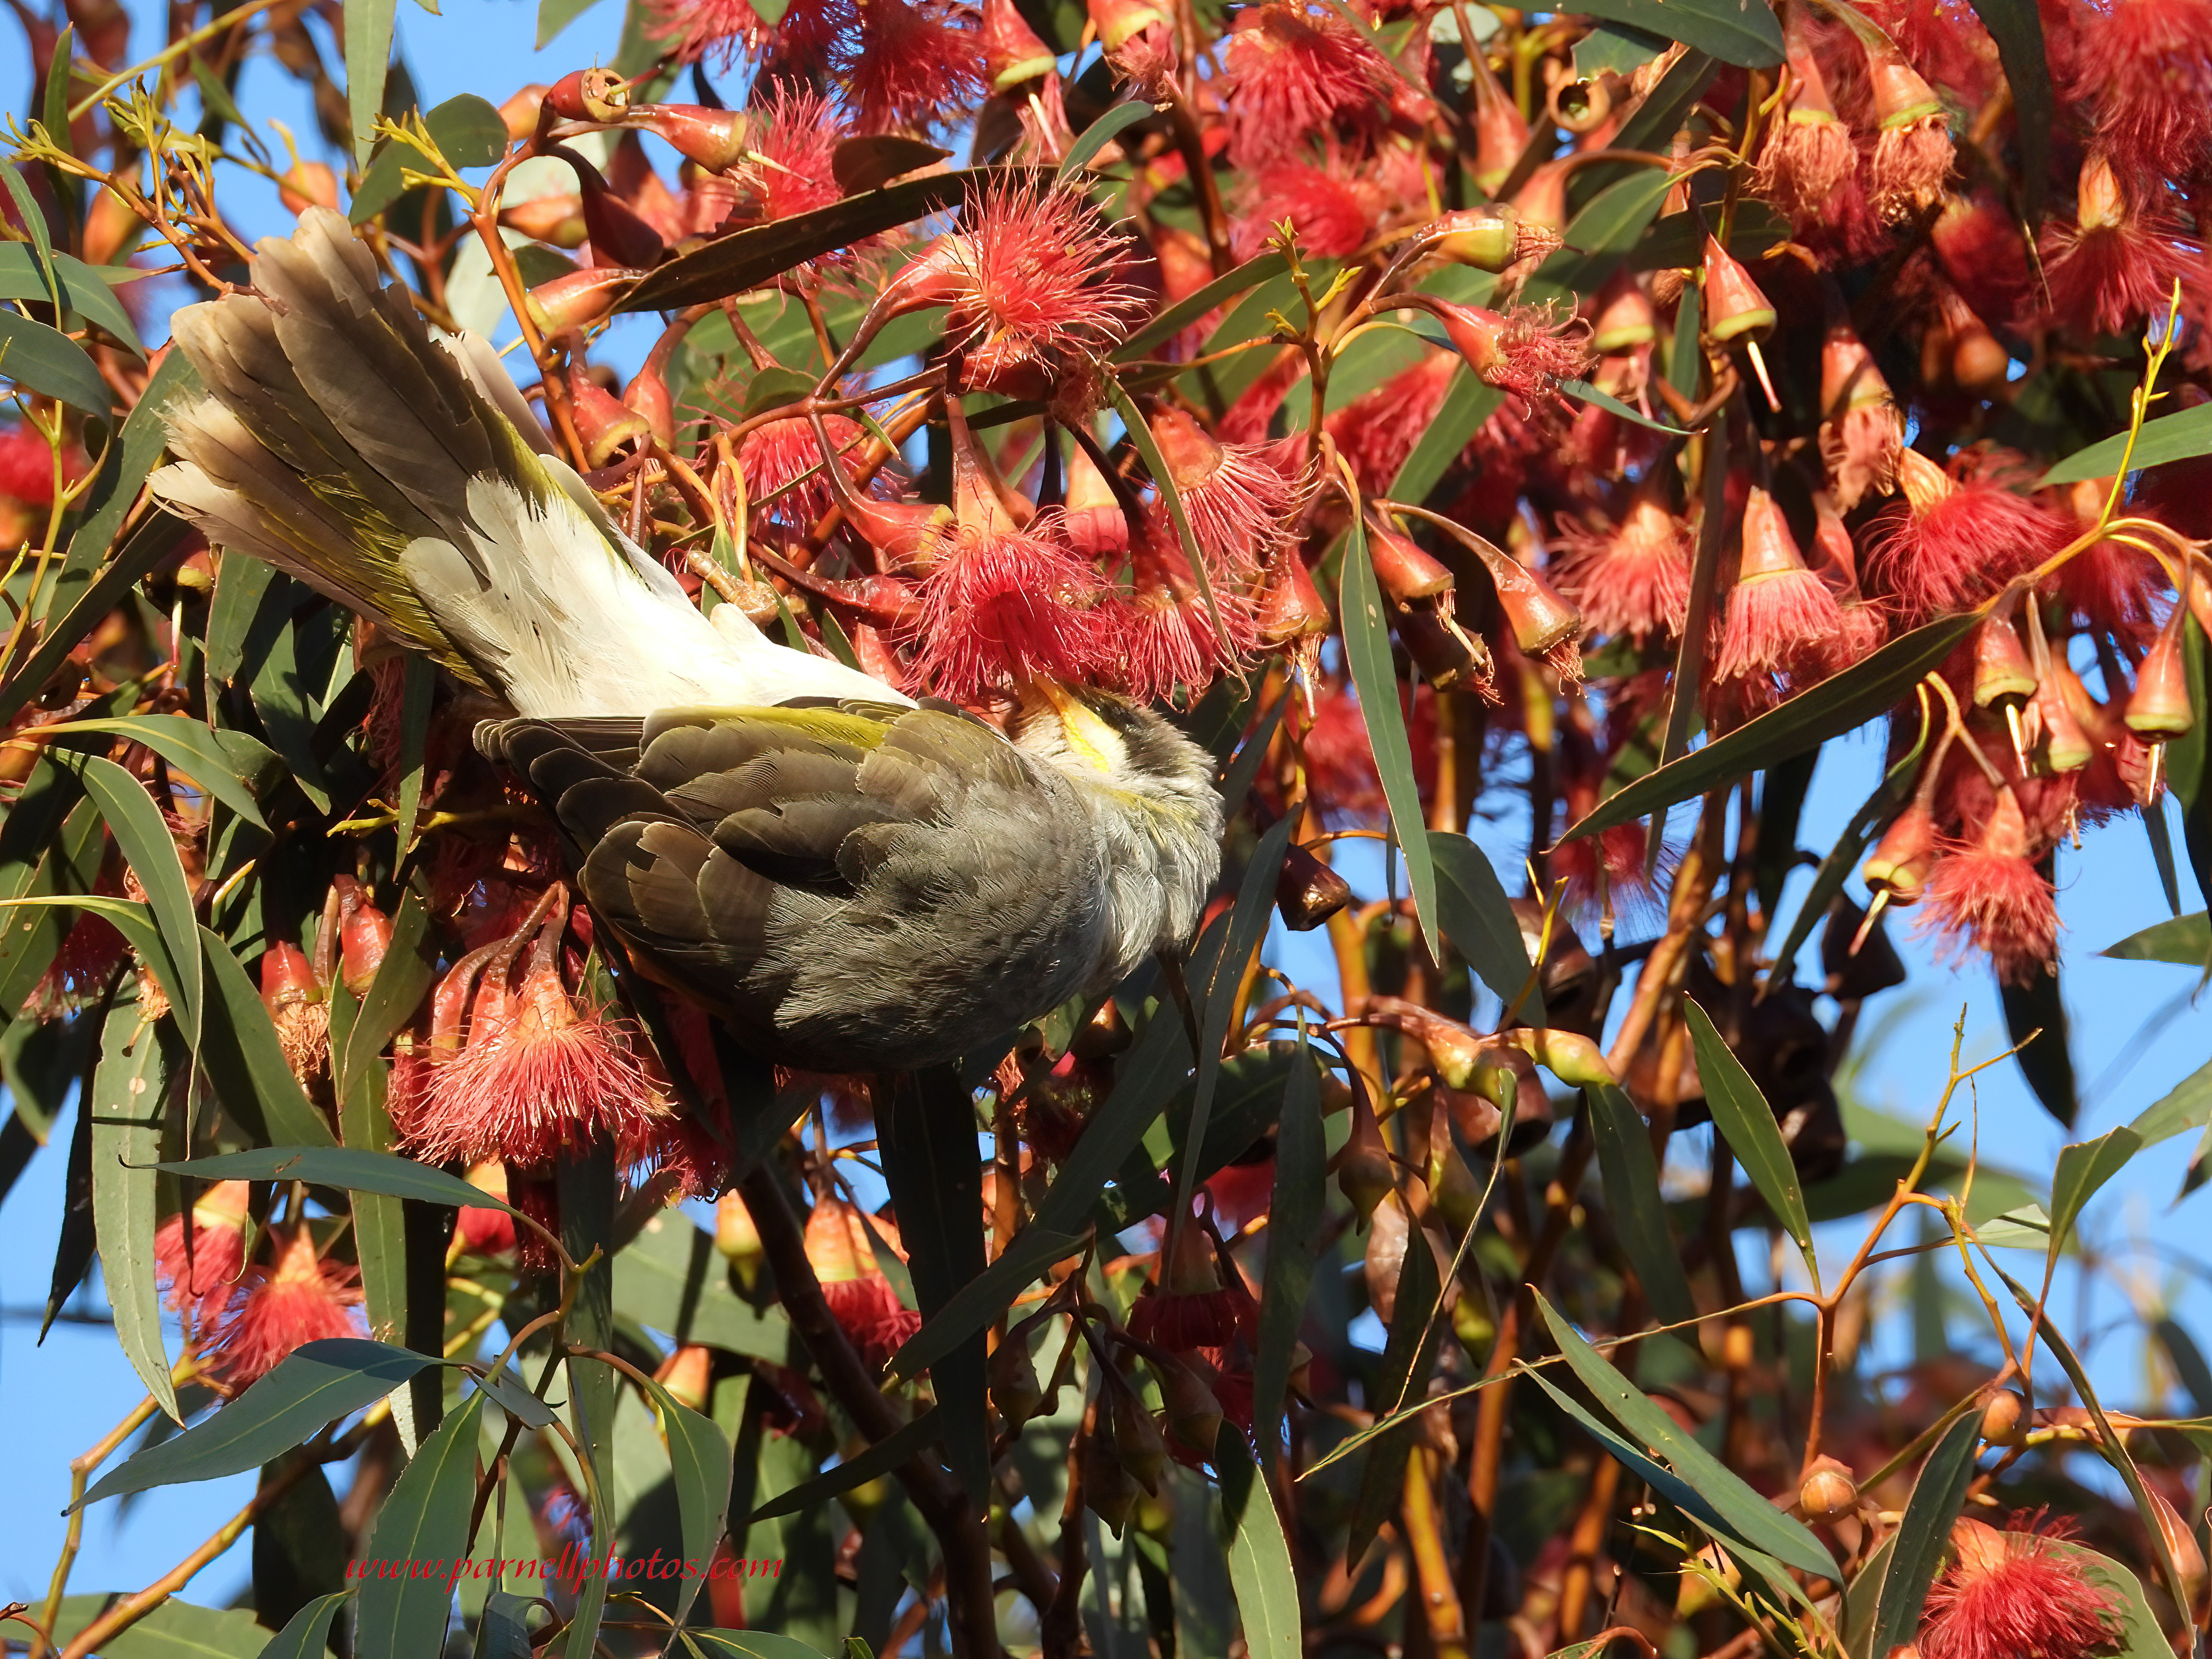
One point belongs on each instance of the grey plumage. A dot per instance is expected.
(853, 883)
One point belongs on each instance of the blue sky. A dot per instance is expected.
(2134, 1032)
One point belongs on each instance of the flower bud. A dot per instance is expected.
(1364, 1173)
(646, 395)
(1542, 621)
(594, 95)
(1454, 1192)
(714, 138)
(1828, 1493)
(1901, 860)
(1012, 54)
(2002, 670)
(2001, 1418)
(1142, 1447)
(619, 237)
(1108, 1489)
(1567, 1055)
(1013, 1383)
(295, 1008)
(687, 1375)
(365, 936)
(558, 220)
(308, 184)
(1309, 892)
(1624, 319)
(1490, 237)
(2065, 745)
(1290, 606)
(1194, 1415)
(570, 304)
(1116, 21)
(2158, 708)
(1407, 571)
(1734, 308)
(605, 425)
(520, 112)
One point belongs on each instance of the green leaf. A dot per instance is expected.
(748, 1644)
(699, 1458)
(307, 1635)
(368, 47)
(1584, 391)
(355, 1169)
(1921, 1535)
(730, 265)
(425, 1519)
(1743, 1117)
(144, 836)
(2187, 1105)
(468, 131)
(392, 999)
(174, 1629)
(1293, 1237)
(210, 759)
(1153, 1069)
(128, 1104)
(81, 290)
(2185, 941)
(1631, 1177)
(1835, 706)
(2179, 437)
(1185, 311)
(32, 219)
(926, 1137)
(1375, 674)
(2083, 1168)
(156, 537)
(1102, 131)
(1743, 1512)
(1468, 402)
(671, 1278)
(2016, 27)
(1601, 236)
(315, 1384)
(1259, 1570)
(123, 469)
(2035, 1018)
(44, 360)
(1474, 914)
(555, 16)
(910, 1440)
(243, 1059)
(774, 386)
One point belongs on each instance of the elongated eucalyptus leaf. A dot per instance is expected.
(244, 1060)
(131, 1090)
(41, 359)
(671, 1278)
(1259, 1570)
(1828, 710)
(425, 1518)
(1746, 1121)
(174, 1629)
(315, 1384)
(555, 16)
(220, 764)
(2187, 1105)
(1684, 1494)
(730, 265)
(1102, 132)
(307, 1634)
(1745, 33)
(2016, 27)
(1584, 392)
(1918, 1550)
(927, 1138)
(355, 1169)
(1474, 914)
(2185, 941)
(2083, 1169)
(880, 1459)
(699, 1459)
(1631, 1177)
(2035, 1018)
(1293, 1237)
(748, 1644)
(367, 45)
(1151, 1071)
(139, 830)
(1746, 1514)
(585, 1186)
(82, 291)
(2181, 436)
(1185, 311)
(1367, 655)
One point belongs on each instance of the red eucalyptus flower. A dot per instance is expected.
(1290, 71)
(911, 64)
(300, 1298)
(1236, 495)
(203, 1272)
(1781, 616)
(2118, 263)
(790, 136)
(2146, 67)
(2015, 1594)
(1034, 279)
(1949, 544)
(843, 1256)
(1632, 578)
(1989, 895)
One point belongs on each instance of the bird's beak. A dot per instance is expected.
(1089, 738)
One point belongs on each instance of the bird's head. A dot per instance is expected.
(1151, 792)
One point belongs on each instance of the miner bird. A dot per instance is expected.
(853, 881)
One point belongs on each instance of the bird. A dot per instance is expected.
(851, 879)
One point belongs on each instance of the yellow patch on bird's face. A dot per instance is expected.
(1089, 739)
